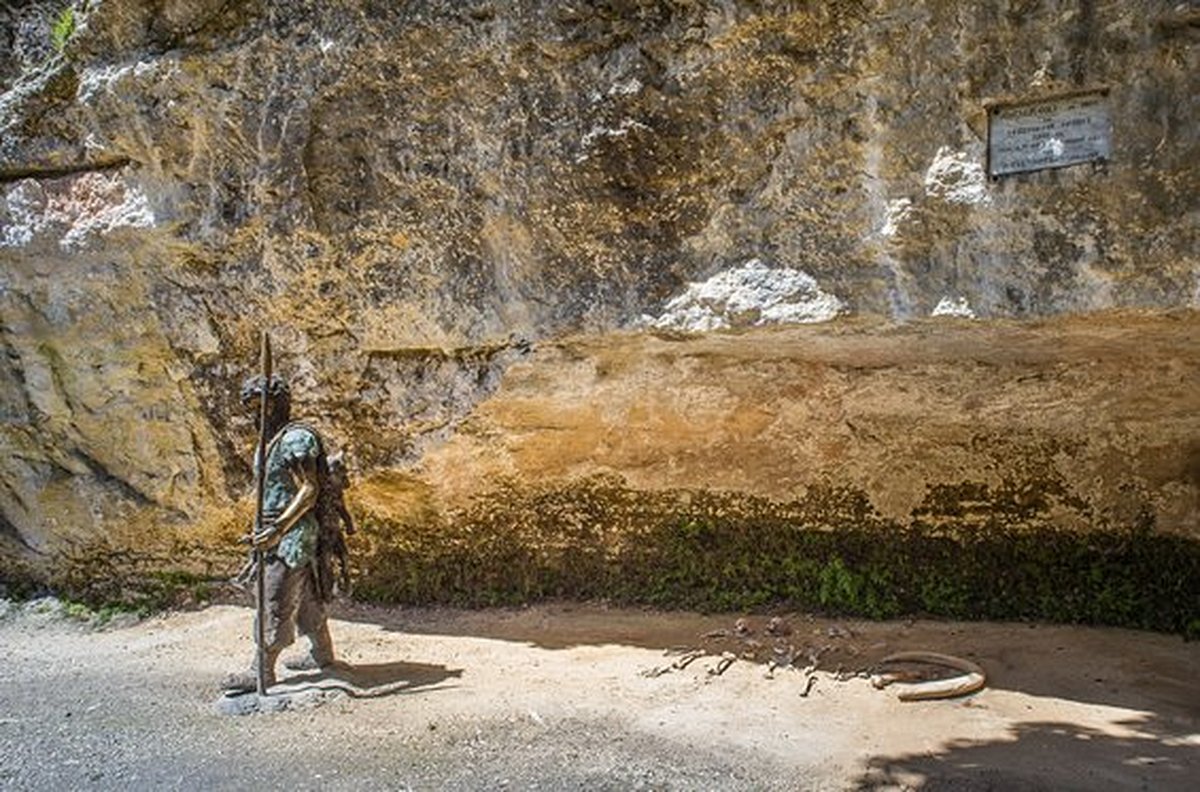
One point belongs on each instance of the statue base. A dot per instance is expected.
(280, 698)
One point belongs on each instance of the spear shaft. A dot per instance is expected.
(260, 468)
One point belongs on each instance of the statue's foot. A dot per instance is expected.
(304, 662)
(308, 663)
(244, 682)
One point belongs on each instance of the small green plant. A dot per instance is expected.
(77, 610)
(102, 615)
(63, 28)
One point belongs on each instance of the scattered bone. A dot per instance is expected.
(814, 655)
(778, 627)
(781, 658)
(914, 685)
(972, 678)
(723, 664)
(686, 660)
(681, 662)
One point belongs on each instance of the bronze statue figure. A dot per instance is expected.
(296, 537)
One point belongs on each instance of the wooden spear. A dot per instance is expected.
(260, 468)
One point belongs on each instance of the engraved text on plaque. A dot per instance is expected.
(1050, 133)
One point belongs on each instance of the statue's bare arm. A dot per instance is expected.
(305, 471)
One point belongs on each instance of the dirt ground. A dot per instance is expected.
(567, 697)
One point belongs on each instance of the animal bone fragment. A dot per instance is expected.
(723, 664)
(777, 626)
(686, 660)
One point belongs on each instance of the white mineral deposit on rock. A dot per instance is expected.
(898, 211)
(955, 177)
(100, 203)
(631, 87)
(20, 211)
(78, 207)
(749, 296)
(94, 81)
(594, 134)
(103, 79)
(957, 307)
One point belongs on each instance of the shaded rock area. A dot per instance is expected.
(464, 221)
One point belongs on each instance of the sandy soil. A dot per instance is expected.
(560, 697)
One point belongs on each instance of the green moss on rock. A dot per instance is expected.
(827, 551)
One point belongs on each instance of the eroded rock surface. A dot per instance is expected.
(1094, 419)
(422, 200)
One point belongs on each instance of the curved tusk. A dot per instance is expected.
(973, 677)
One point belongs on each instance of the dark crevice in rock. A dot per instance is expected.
(47, 172)
(7, 527)
(105, 476)
(198, 453)
(16, 407)
(9, 531)
(1180, 21)
(216, 389)
(16, 496)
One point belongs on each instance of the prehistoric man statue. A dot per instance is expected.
(303, 516)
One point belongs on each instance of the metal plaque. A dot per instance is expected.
(1050, 133)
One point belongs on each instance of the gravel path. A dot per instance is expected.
(558, 697)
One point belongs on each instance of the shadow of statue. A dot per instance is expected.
(375, 680)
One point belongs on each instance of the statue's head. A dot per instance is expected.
(279, 398)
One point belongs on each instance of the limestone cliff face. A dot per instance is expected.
(421, 198)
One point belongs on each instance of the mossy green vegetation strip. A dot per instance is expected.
(100, 579)
(969, 552)
(829, 552)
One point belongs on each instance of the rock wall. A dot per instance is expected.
(468, 226)
(1091, 423)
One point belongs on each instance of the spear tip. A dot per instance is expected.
(265, 357)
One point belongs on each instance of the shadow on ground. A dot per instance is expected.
(554, 626)
(1049, 756)
(1131, 669)
(376, 680)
